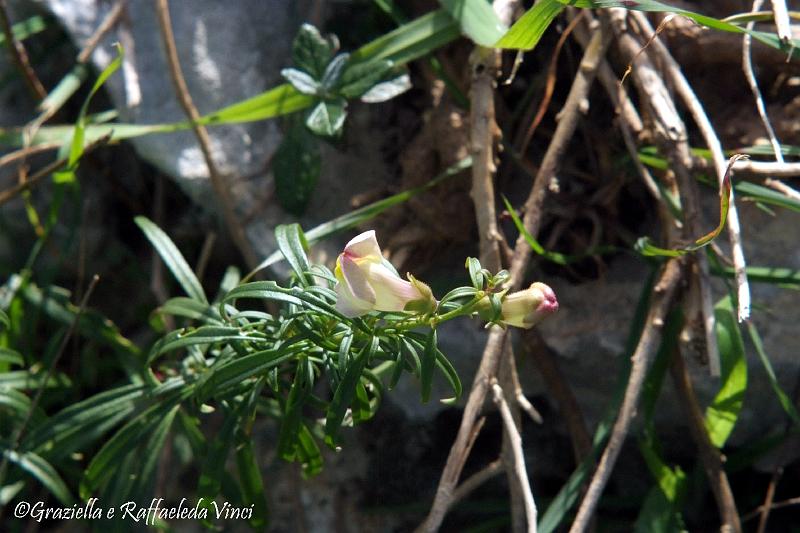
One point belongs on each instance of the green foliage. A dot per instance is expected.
(477, 20)
(723, 412)
(527, 31)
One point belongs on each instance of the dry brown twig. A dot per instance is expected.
(684, 90)
(105, 26)
(519, 459)
(710, 456)
(663, 296)
(532, 221)
(218, 180)
(20, 56)
(670, 134)
(42, 173)
(476, 480)
(485, 64)
(769, 499)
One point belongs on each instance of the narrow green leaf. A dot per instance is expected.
(361, 405)
(281, 100)
(780, 276)
(251, 483)
(43, 472)
(26, 28)
(203, 335)
(657, 514)
(11, 357)
(411, 41)
(56, 304)
(723, 412)
(292, 415)
(4, 320)
(209, 484)
(428, 364)
(19, 405)
(292, 244)
(783, 398)
(67, 174)
(63, 91)
(173, 259)
(122, 443)
(476, 273)
(477, 20)
(451, 375)
(221, 378)
(646, 248)
(310, 454)
(25, 380)
(149, 454)
(297, 165)
(346, 391)
(190, 308)
(528, 30)
(64, 431)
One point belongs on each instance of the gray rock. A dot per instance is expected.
(220, 68)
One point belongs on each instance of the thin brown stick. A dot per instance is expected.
(750, 75)
(19, 56)
(685, 91)
(550, 85)
(459, 451)
(777, 505)
(30, 181)
(519, 459)
(483, 134)
(769, 498)
(105, 26)
(218, 181)
(662, 298)
(671, 135)
(567, 123)
(23, 153)
(709, 456)
(485, 64)
(782, 188)
(768, 168)
(476, 480)
(205, 254)
(532, 221)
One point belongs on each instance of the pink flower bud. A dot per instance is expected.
(525, 309)
(365, 283)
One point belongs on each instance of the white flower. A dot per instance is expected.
(365, 283)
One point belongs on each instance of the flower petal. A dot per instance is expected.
(391, 292)
(349, 306)
(355, 280)
(364, 246)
